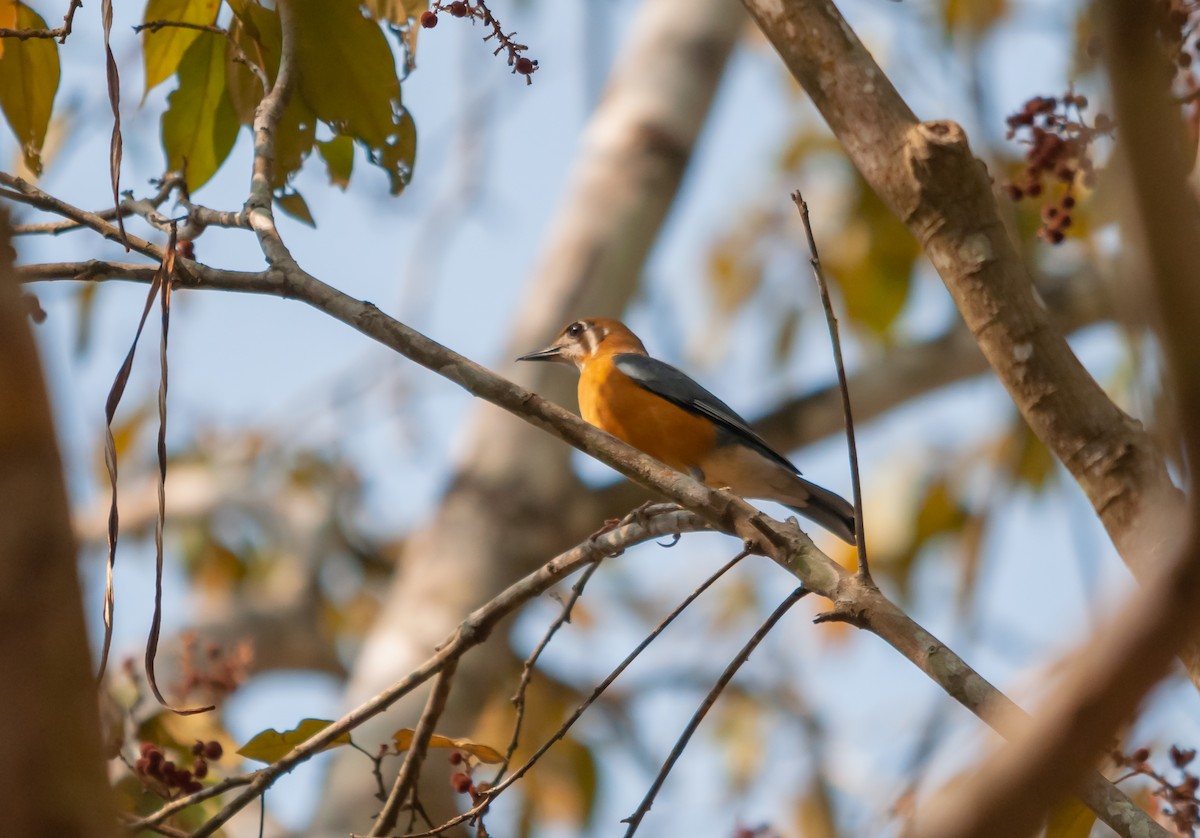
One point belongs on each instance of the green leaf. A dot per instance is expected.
(294, 138)
(338, 154)
(484, 753)
(347, 71)
(271, 745)
(162, 50)
(29, 74)
(199, 126)
(399, 153)
(293, 204)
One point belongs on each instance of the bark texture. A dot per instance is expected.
(52, 778)
(926, 173)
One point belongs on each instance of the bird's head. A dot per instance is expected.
(587, 339)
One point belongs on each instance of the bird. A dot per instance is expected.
(662, 411)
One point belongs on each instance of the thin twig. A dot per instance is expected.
(266, 118)
(410, 769)
(471, 632)
(783, 543)
(518, 699)
(635, 819)
(155, 25)
(860, 540)
(61, 33)
(180, 803)
(498, 787)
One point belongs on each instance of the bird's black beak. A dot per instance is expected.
(550, 353)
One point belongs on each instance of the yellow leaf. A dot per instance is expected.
(162, 50)
(484, 753)
(338, 154)
(8, 18)
(347, 71)
(975, 16)
(257, 33)
(872, 259)
(1034, 464)
(29, 74)
(1070, 819)
(199, 126)
(271, 745)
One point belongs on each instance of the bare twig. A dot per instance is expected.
(180, 803)
(597, 691)
(266, 118)
(410, 769)
(26, 193)
(518, 699)
(61, 33)
(470, 633)
(155, 25)
(785, 544)
(860, 539)
(635, 819)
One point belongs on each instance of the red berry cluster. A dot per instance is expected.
(478, 10)
(462, 781)
(1059, 141)
(153, 765)
(1179, 798)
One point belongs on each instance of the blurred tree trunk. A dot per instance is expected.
(52, 779)
(514, 501)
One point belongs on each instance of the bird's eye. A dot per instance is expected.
(575, 329)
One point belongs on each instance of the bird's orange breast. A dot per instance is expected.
(611, 401)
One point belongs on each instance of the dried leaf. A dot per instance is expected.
(116, 145)
(110, 460)
(484, 753)
(29, 76)
(166, 275)
(199, 127)
(163, 49)
(271, 745)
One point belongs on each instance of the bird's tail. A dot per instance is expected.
(826, 508)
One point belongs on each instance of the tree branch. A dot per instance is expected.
(48, 704)
(783, 543)
(926, 173)
(471, 632)
(1012, 792)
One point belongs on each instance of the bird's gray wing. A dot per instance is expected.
(677, 387)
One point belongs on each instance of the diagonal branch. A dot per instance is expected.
(783, 543)
(473, 631)
(926, 173)
(1013, 791)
